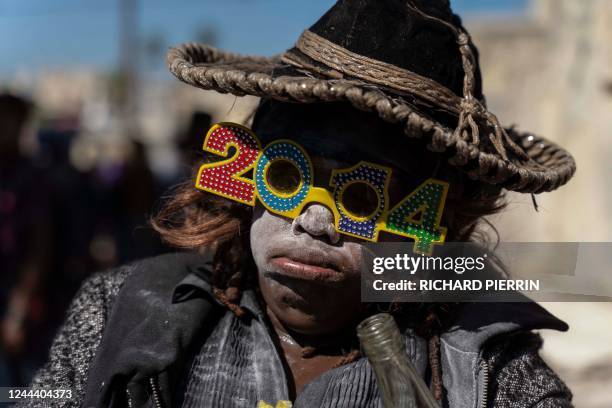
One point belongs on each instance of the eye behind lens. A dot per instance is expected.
(360, 199)
(283, 177)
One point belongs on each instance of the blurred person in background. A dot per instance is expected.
(26, 241)
(100, 214)
(57, 225)
(133, 199)
(189, 142)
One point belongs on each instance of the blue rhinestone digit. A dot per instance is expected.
(284, 150)
(376, 177)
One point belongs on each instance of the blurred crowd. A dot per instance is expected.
(60, 222)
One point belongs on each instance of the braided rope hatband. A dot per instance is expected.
(209, 68)
(378, 72)
(374, 71)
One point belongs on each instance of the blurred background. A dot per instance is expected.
(93, 131)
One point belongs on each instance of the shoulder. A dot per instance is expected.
(101, 288)
(100, 293)
(106, 285)
(172, 266)
(92, 303)
(159, 276)
(518, 375)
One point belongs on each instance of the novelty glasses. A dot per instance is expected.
(281, 177)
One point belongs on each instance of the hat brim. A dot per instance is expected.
(549, 167)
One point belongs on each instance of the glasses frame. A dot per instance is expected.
(229, 178)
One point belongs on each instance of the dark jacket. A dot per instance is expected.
(129, 337)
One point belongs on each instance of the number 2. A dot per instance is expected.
(226, 177)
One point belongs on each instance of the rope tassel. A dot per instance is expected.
(471, 108)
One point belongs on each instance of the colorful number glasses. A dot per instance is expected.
(282, 180)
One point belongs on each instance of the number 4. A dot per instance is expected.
(418, 216)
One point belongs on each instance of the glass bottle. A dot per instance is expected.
(399, 384)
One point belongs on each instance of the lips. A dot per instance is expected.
(308, 270)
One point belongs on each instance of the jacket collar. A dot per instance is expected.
(463, 371)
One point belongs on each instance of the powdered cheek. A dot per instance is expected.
(304, 304)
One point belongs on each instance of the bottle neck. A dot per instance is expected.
(380, 337)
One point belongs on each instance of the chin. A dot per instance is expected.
(306, 308)
(305, 323)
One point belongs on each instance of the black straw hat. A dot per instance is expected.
(409, 61)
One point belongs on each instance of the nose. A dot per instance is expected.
(316, 220)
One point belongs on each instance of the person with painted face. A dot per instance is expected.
(260, 309)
